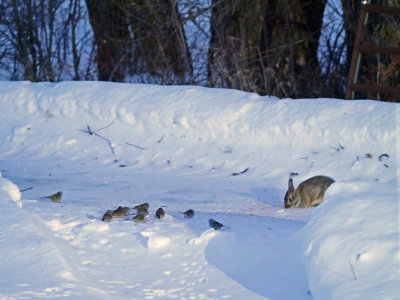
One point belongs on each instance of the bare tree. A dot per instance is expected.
(35, 39)
(351, 11)
(280, 48)
(269, 47)
(140, 37)
(111, 32)
(160, 41)
(234, 56)
(80, 41)
(290, 43)
(195, 17)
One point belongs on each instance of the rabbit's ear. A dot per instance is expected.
(290, 184)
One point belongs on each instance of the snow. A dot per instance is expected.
(177, 147)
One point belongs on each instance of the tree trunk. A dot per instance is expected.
(160, 42)
(289, 47)
(140, 37)
(268, 47)
(351, 11)
(111, 33)
(233, 56)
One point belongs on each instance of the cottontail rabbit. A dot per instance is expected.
(308, 193)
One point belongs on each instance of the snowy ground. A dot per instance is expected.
(177, 147)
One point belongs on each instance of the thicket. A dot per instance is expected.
(286, 48)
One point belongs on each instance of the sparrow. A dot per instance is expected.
(189, 213)
(56, 197)
(215, 225)
(139, 218)
(142, 206)
(120, 212)
(107, 217)
(142, 211)
(160, 213)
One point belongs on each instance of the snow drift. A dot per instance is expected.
(108, 144)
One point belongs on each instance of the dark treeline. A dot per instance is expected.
(286, 48)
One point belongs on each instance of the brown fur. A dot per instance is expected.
(309, 193)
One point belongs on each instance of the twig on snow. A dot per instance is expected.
(352, 270)
(382, 156)
(135, 146)
(88, 131)
(242, 172)
(160, 140)
(339, 148)
(27, 189)
(91, 132)
(112, 122)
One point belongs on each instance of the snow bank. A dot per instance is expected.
(351, 245)
(9, 191)
(108, 144)
(24, 251)
(193, 128)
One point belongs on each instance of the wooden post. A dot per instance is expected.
(360, 47)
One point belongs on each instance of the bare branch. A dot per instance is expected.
(91, 132)
(135, 146)
(352, 270)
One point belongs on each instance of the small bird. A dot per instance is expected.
(143, 211)
(107, 217)
(215, 224)
(160, 213)
(56, 197)
(139, 218)
(142, 206)
(120, 212)
(189, 213)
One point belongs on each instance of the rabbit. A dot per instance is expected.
(309, 193)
